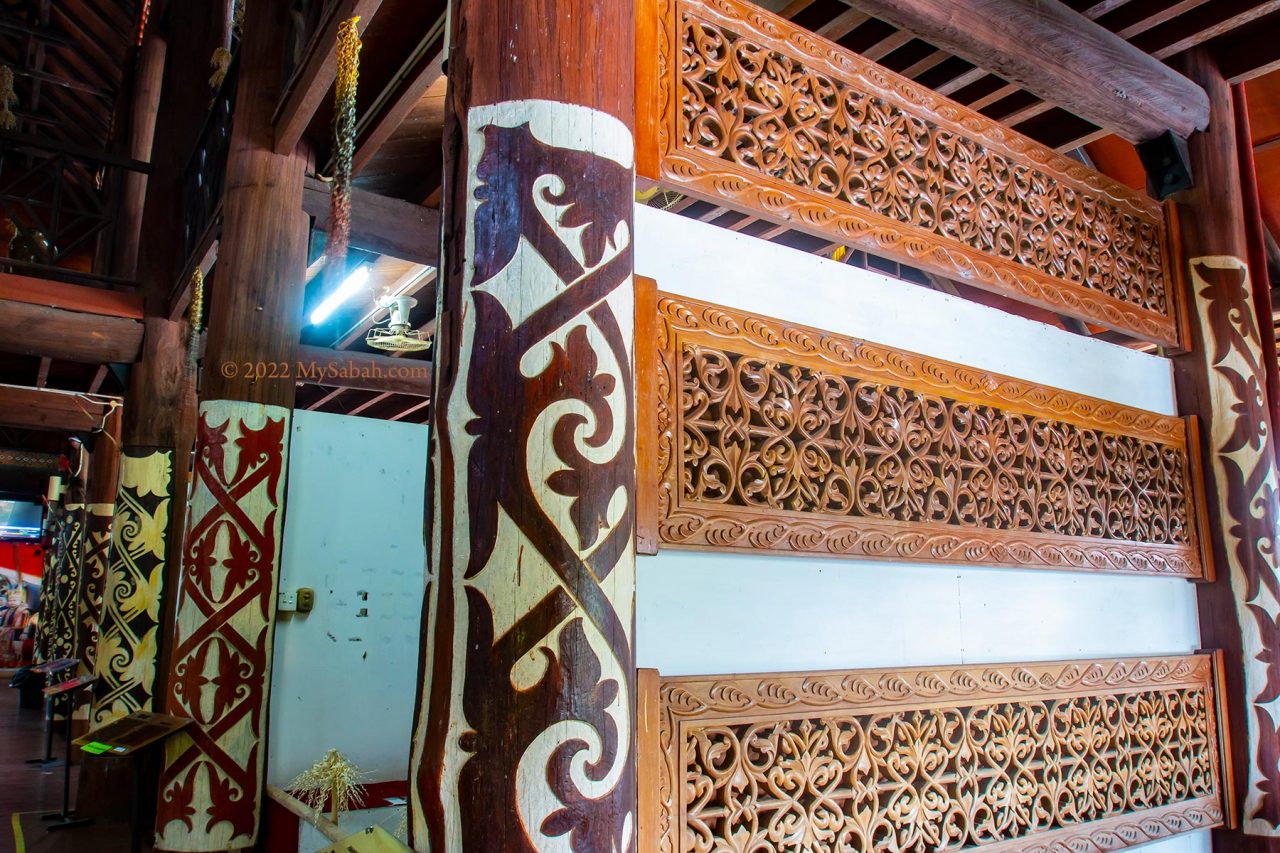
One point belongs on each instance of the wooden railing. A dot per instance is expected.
(60, 199)
(741, 108)
(1079, 755)
(770, 436)
(204, 177)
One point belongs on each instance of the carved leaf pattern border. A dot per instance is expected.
(779, 437)
(759, 114)
(1082, 755)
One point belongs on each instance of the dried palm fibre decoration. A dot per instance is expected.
(753, 113)
(344, 146)
(1077, 755)
(778, 437)
(8, 99)
(333, 780)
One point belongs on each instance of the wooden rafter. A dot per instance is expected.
(1056, 52)
(315, 74)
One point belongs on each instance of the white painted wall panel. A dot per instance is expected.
(716, 265)
(705, 612)
(353, 524)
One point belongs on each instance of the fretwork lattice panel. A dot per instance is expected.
(782, 438)
(1088, 755)
(760, 115)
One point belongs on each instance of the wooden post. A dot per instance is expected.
(1222, 380)
(218, 670)
(62, 620)
(148, 80)
(525, 732)
(148, 511)
(159, 424)
(100, 497)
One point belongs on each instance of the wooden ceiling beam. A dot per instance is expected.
(843, 24)
(29, 408)
(371, 402)
(397, 101)
(1202, 24)
(1049, 49)
(387, 226)
(1250, 51)
(72, 297)
(363, 371)
(47, 332)
(409, 411)
(315, 73)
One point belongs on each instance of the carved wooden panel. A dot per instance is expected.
(757, 114)
(1083, 756)
(778, 437)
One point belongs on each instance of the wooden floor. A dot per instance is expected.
(27, 791)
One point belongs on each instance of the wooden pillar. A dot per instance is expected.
(524, 737)
(148, 81)
(55, 515)
(150, 497)
(159, 420)
(100, 497)
(62, 620)
(219, 665)
(1221, 381)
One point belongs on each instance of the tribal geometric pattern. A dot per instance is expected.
(525, 729)
(1244, 466)
(55, 517)
(64, 616)
(778, 437)
(211, 784)
(97, 549)
(1084, 756)
(760, 114)
(127, 645)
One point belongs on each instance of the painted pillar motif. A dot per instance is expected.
(55, 517)
(1245, 475)
(93, 574)
(127, 645)
(525, 730)
(525, 735)
(64, 615)
(211, 785)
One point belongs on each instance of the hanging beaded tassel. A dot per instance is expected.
(220, 63)
(8, 99)
(344, 145)
(194, 312)
(143, 16)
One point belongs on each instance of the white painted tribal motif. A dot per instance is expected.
(1244, 469)
(525, 730)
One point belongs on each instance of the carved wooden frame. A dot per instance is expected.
(661, 156)
(719, 526)
(674, 708)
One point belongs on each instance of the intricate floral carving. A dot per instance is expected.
(212, 779)
(1088, 755)
(784, 438)
(759, 114)
(126, 662)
